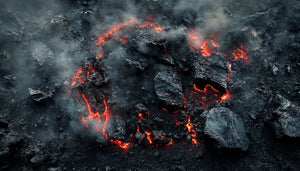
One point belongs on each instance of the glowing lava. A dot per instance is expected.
(107, 35)
(241, 53)
(100, 121)
(205, 48)
(77, 77)
(191, 131)
(121, 144)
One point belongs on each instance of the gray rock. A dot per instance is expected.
(168, 87)
(213, 69)
(287, 114)
(226, 128)
(137, 63)
(141, 108)
(96, 79)
(37, 159)
(116, 128)
(39, 95)
(40, 52)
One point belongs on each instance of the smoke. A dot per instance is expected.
(45, 41)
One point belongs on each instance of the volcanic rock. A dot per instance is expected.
(137, 62)
(141, 108)
(39, 95)
(211, 69)
(168, 87)
(116, 129)
(11, 26)
(160, 137)
(96, 79)
(286, 118)
(226, 128)
(40, 52)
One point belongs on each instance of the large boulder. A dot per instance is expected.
(168, 88)
(286, 118)
(211, 69)
(226, 129)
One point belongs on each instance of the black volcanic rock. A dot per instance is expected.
(211, 68)
(168, 87)
(286, 118)
(226, 128)
(39, 95)
(116, 128)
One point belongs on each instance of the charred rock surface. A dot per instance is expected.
(226, 128)
(286, 118)
(168, 87)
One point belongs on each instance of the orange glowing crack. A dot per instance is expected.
(205, 88)
(77, 77)
(191, 131)
(148, 134)
(241, 53)
(98, 118)
(150, 24)
(121, 144)
(107, 35)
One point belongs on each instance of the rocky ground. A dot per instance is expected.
(144, 81)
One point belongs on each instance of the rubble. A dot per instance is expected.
(116, 128)
(286, 118)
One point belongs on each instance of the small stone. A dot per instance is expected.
(156, 154)
(199, 155)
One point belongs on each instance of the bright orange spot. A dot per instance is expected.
(121, 144)
(205, 47)
(77, 77)
(100, 55)
(170, 142)
(148, 134)
(241, 53)
(225, 97)
(191, 131)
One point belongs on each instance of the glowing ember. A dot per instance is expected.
(121, 144)
(77, 77)
(229, 74)
(206, 97)
(225, 97)
(191, 131)
(107, 35)
(170, 142)
(150, 24)
(100, 55)
(205, 47)
(148, 134)
(241, 53)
